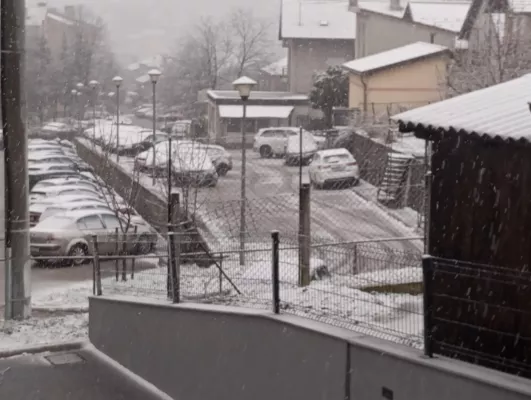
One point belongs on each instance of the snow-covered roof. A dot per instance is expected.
(499, 112)
(383, 7)
(447, 15)
(143, 79)
(255, 95)
(278, 68)
(60, 18)
(35, 16)
(391, 58)
(133, 67)
(236, 111)
(153, 62)
(317, 19)
(520, 6)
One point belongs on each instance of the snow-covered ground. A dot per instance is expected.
(335, 299)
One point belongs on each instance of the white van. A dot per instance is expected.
(296, 154)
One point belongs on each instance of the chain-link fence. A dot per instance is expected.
(369, 286)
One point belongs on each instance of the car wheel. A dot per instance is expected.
(78, 250)
(223, 169)
(144, 245)
(266, 151)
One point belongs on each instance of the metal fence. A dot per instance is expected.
(478, 313)
(373, 287)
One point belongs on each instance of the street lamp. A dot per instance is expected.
(93, 85)
(79, 109)
(117, 80)
(154, 74)
(74, 101)
(243, 85)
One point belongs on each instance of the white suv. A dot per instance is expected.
(271, 142)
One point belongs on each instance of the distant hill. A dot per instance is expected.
(140, 28)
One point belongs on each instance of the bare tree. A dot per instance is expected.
(251, 40)
(497, 52)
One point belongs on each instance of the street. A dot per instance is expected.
(337, 215)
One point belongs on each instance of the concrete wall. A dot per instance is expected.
(376, 33)
(306, 57)
(200, 352)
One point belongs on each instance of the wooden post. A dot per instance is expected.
(117, 252)
(304, 235)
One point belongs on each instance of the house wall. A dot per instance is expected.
(376, 33)
(207, 352)
(306, 57)
(272, 83)
(407, 86)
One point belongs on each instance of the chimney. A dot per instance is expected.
(70, 12)
(395, 5)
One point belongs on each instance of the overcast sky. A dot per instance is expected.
(142, 28)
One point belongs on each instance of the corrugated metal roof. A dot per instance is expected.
(317, 19)
(393, 57)
(255, 95)
(499, 112)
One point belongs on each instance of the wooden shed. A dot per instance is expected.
(480, 218)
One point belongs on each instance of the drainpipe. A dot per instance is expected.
(365, 94)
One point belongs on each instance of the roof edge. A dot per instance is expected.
(398, 64)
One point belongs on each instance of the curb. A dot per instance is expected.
(42, 348)
(61, 310)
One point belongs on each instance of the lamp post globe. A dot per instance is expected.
(154, 75)
(244, 85)
(117, 80)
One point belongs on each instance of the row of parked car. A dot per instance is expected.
(328, 164)
(69, 204)
(193, 161)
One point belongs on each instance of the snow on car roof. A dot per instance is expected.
(333, 152)
(85, 213)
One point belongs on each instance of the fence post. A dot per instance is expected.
(427, 280)
(124, 259)
(117, 252)
(220, 273)
(355, 263)
(133, 259)
(174, 263)
(97, 264)
(275, 272)
(304, 235)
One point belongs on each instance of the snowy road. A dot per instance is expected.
(272, 192)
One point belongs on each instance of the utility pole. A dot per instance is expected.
(18, 266)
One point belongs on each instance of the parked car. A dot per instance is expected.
(66, 181)
(37, 207)
(295, 153)
(193, 166)
(220, 157)
(45, 167)
(70, 234)
(38, 175)
(58, 190)
(73, 206)
(57, 129)
(333, 166)
(269, 142)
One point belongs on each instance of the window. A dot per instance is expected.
(89, 223)
(111, 222)
(268, 134)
